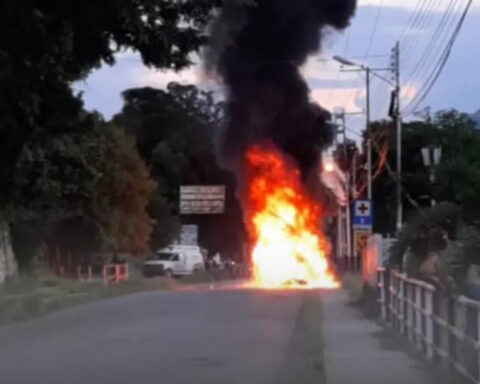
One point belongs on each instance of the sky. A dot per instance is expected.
(373, 32)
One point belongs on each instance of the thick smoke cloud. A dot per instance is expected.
(258, 49)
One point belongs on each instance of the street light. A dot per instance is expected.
(344, 61)
(374, 71)
(361, 67)
(431, 157)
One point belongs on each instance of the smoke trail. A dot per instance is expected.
(257, 49)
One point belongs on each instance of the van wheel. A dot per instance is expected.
(169, 273)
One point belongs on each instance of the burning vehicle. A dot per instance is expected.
(275, 134)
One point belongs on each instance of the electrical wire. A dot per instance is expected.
(391, 173)
(438, 35)
(337, 79)
(420, 22)
(356, 89)
(435, 74)
(411, 19)
(374, 29)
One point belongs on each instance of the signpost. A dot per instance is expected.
(202, 200)
(361, 240)
(189, 235)
(362, 215)
(362, 225)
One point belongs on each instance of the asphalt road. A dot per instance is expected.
(194, 337)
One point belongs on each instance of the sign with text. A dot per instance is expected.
(361, 239)
(362, 214)
(202, 200)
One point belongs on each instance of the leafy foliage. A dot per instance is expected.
(465, 251)
(46, 45)
(419, 229)
(122, 195)
(55, 159)
(82, 188)
(457, 177)
(176, 131)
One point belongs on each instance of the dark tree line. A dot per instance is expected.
(72, 180)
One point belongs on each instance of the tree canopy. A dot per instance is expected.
(176, 131)
(47, 45)
(91, 183)
(62, 169)
(455, 189)
(456, 177)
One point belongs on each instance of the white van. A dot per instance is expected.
(176, 260)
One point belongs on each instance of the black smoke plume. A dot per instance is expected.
(257, 48)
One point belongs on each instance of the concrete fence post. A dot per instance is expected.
(429, 318)
(381, 293)
(452, 341)
(120, 272)
(410, 312)
(418, 315)
(401, 304)
(393, 299)
(478, 341)
(105, 275)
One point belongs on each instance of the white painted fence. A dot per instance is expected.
(445, 328)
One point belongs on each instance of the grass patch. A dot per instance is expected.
(30, 297)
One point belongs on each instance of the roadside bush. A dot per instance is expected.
(417, 232)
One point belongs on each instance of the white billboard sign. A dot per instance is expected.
(202, 200)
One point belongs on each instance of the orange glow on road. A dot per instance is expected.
(289, 249)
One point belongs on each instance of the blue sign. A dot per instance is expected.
(362, 214)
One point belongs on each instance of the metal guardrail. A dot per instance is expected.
(445, 328)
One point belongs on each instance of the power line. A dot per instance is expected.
(412, 44)
(415, 103)
(337, 79)
(425, 8)
(356, 89)
(437, 36)
(393, 176)
(418, 19)
(441, 59)
(411, 19)
(405, 34)
(374, 29)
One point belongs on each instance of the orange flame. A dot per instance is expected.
(288, 247)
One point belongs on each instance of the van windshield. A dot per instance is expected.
(166, 256)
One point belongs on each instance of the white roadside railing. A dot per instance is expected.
(446, 329)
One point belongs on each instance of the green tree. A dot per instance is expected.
(176, 131)
(47, 45)
(121, 196)
(79, 191)
(457, 176)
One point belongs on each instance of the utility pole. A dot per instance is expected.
(369, 138)
(344, 234)
(398, 121)
(368, 75)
